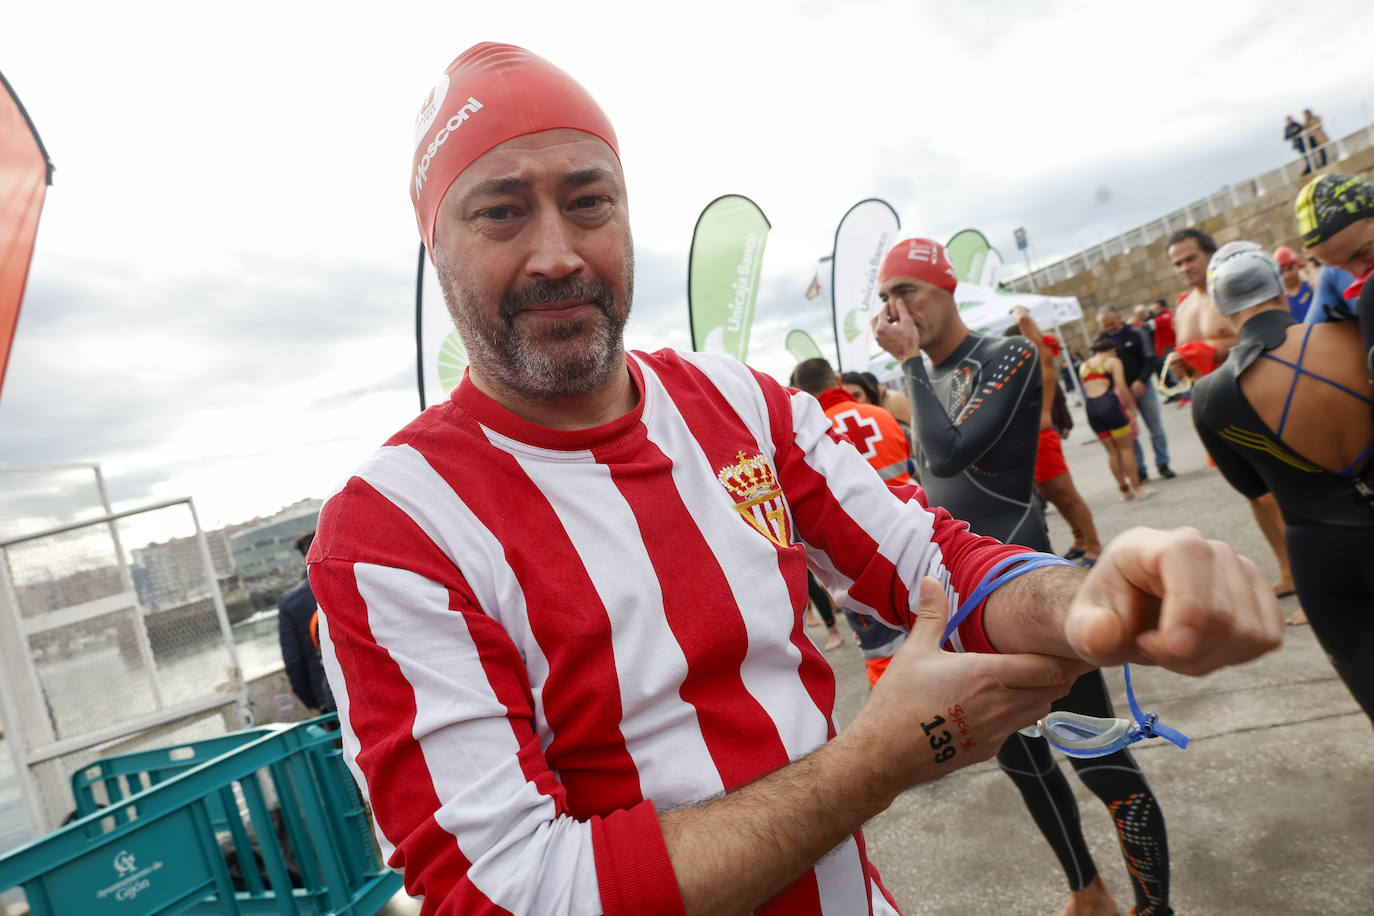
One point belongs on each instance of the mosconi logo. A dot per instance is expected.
(422, 170)
(124, 862)
(430, 109)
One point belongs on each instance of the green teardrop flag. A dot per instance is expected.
(723, 274)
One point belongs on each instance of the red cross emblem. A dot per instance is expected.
(860, 430)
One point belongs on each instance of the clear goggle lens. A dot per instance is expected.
(1083, 736)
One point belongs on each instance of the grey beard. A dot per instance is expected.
(522, 363)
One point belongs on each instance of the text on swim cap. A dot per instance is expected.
(422, 170)
(922, 252)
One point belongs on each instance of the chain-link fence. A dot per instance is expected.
(114, 636)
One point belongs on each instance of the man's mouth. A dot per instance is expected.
(562, 309)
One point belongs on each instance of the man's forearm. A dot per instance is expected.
(733, 853)
(1027, 614)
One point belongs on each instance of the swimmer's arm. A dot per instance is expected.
(1122, 389)
(1239, 473)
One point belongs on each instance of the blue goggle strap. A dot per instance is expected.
(1147, 725)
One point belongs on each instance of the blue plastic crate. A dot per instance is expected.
(162, 850)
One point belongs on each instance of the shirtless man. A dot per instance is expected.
(1197, 319)
(1051, 471)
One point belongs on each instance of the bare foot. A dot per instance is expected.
(834, 642)
(1283, 588)
(1297, 618)
(1093, 900)
(811, 619)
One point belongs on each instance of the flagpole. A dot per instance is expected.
(419, 339)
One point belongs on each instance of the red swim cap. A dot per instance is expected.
(1285, 255)
(491, 93)
(923, 259)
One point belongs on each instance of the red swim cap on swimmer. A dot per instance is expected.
(491, 93)
(1285, 255)
(923, 259)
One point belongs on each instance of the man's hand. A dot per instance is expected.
(934, 711)
(931, 712)
(1137, 389)
(895, 332)
(1173, 599)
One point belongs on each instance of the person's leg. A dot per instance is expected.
(1149, 412)
(1270, 521)
(1138, 458)
(1114, 462)
(1061, 491)
(821, 599)
(1030, 765)
(1117, 781)
(1129, 469)
(1336, 583)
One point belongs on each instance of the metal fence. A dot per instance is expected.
(1222, 201)
(107, 648)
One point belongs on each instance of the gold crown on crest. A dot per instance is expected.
(750, 478)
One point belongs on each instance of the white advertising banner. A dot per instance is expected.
(864, 235)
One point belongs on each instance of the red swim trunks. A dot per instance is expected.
(1049, 457)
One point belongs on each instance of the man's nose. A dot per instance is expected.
(553, 246)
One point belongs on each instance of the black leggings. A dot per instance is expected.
(1335, 581)
(1116, 780)
(820, 598)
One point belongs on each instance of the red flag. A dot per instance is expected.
(814, 289)
(24, 177)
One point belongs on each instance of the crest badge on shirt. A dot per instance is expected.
(758, 498)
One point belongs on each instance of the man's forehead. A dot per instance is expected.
(892, 283)
(547, 149)
(1182, 249)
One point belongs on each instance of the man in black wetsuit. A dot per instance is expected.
(1288, 413)
(977, 423)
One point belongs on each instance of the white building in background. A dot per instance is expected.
(265, 547)
(171, 572)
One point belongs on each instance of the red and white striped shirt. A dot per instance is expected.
(538, 639)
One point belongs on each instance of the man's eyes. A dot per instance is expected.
(497, 214)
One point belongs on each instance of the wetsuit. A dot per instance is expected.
(977, 422)
(1329, 514)
(1105, 416)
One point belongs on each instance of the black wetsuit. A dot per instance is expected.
(977, 425)
(1329, 515)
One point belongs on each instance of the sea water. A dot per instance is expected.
(182, 677)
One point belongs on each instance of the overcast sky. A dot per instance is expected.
(221, 299)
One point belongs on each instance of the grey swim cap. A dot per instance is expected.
(1241, 275)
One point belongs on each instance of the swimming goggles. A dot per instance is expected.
(1071, 733)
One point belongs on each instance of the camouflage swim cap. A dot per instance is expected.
(1329, 203)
